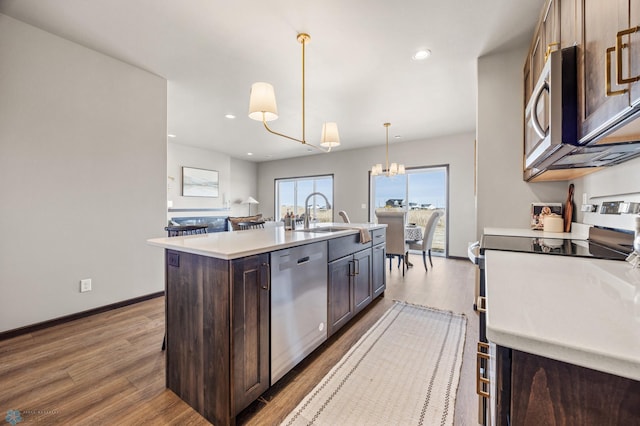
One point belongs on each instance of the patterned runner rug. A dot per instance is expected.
(403, 371)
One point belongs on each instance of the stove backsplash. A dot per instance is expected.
(611, 192)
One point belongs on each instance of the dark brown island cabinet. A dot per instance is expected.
(535, 390)
(218, 319)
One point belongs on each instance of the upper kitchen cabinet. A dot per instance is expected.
(609, 70)
(633, 52)
(545, 40)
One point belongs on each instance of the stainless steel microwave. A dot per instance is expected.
(551, 140)
(551, 115)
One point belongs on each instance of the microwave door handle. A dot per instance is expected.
(534, 116)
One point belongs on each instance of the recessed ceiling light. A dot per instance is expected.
(421, 54)
(171, 135)
(397, 136)
(229, 116)
(249, 153)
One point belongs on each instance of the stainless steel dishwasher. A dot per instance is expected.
(298, 305)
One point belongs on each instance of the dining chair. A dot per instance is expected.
(344, 216)
(180, 230)
(395, 243)
(427, 239)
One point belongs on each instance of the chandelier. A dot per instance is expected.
(262, 107)
(391, 170)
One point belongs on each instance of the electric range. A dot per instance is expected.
(603, 243)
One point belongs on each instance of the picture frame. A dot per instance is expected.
(199, 182)
(540, 210)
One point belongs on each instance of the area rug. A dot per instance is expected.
(404, 371)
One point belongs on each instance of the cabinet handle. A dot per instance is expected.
(266, 266)
(619, 46)
(481, 304)
(551, 47)
(357, 265)
(482, 382)
(607, 75)
(352, 268)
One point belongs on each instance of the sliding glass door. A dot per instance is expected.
(420, 192)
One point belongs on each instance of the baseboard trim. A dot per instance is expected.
(68, 318)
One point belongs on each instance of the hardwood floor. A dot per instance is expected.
(109, 369)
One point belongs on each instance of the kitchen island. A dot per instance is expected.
(565, 339)
(219, 294)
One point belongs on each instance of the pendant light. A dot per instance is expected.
(391, 170)
(262, 107)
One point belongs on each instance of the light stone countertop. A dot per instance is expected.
(579, 231)
(581, 311)
(236, 244)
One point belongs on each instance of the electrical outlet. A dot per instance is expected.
(85, 285)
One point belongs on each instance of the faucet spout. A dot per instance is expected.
(306, 207)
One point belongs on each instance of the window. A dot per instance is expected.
(291, 194)
(419, 192)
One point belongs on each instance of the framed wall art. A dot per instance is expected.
(199, 182)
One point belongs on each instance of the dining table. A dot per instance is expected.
(412, 233)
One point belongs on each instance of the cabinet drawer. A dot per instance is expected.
(344, 246)
(379, 236)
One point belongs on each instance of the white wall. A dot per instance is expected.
(351, 178)
(83, 172)
(503, 198)
(237, 181)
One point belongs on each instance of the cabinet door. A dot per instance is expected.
(568, 23)
(602, 19)
(550, 392)
(378, 275)
(250, 329)
(340, 308)
(634, 50)
(362, 292)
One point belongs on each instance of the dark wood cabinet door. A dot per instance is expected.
(250, 329)
(634, 50)
(340, 308)
(549, 392)
(568, 19)
(362, 291)
(378, 275)
(601, 21)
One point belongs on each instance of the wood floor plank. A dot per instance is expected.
(109, 369)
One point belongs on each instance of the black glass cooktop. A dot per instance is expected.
(554, 246)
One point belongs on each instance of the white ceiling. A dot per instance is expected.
(359, 70)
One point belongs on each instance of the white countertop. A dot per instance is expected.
(233, 245)
(579, 231)
(581, 311)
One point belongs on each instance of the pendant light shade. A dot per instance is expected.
(330, 136)
(262, 103)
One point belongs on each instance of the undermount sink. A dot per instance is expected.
(324, 229)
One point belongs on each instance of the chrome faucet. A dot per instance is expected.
(306, 207)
